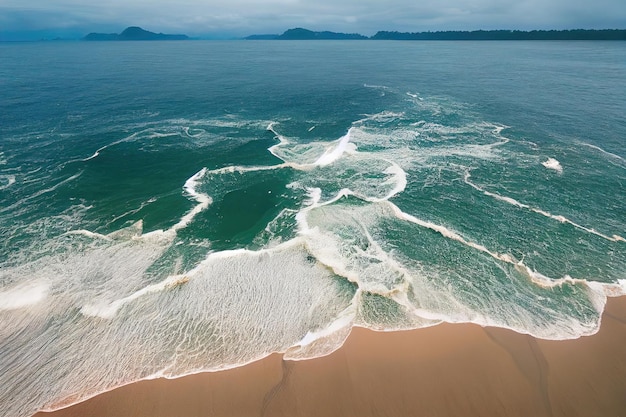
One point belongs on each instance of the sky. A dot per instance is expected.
(233, 18)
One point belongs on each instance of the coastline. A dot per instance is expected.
(445, 370)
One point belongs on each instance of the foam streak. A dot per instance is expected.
(37, 194)
(334, 153)
(559, 218)
(445, 232)
(604, 152)
(203, 200)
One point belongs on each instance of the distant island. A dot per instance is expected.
(507, 35)
(134, 33)
(305, 34)
(476, 35)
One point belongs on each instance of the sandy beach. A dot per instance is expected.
(446, 370)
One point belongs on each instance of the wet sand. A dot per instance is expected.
(446, 370)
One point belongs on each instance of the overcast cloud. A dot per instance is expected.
(244, 17)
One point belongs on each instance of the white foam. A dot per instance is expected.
(617, 289)
(159, 135)
(557, 217)
(544, 281)
(553, 164)
(10, 180)
(345, 319)
(379, 272)
(397, 177)
(450, 234)
(315, 195)
(23, 295)
(193, 135)
(331, 234)
(133, 211)
(305, 157)
(597, 291)
(382, 117)
(101, 310)
(335, 152)
(89, 234)
(604, 151)
(242, 169)
(109, 310)
(498, 129)
(39, 193)
(282, 140)
(97, 152)
(203, 200)
(325, 249)
(376, 86)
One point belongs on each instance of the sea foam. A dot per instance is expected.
(553, 164)
(8, 180)
(23, 295)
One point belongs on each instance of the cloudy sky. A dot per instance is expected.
(244, 17)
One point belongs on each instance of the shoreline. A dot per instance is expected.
(444, 370)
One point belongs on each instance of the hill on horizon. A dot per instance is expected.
(134, 33)
(306, 34)
(454, 35)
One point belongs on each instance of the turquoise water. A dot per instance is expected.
(169, 208)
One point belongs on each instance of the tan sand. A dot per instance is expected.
(446, 370)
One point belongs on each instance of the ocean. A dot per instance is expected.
(168, 208)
